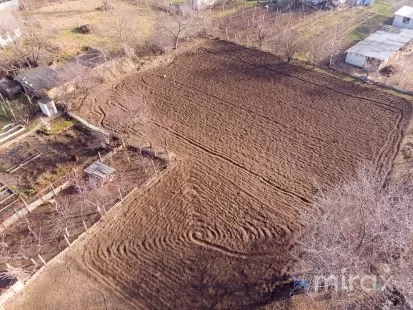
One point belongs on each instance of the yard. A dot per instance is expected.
(44, 156)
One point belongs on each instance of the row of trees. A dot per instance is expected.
(284, 40)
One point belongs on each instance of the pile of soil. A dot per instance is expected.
(388, 70)
(85, 29)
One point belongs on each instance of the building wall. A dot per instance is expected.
(398, 22)
(199, 4)
(9, 37)
(355, 60)
(9, 5)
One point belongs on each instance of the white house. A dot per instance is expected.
(199, 4)
(9, 4)
(377, 48)
(9, 27)
(404, 18)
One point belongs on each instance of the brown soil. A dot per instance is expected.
(256, 138)
(41, 232)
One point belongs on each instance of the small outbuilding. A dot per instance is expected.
(100, 171)
(377, 48)
(404, 18)
(47, 106)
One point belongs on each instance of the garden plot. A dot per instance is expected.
(10, 131)
(46, 231)
(43, 157)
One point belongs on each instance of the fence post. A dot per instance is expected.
(41, 258)
(120, 195)
(27, 207)
(84, 224)
(54, 193)
(33, 261)
(67, 240)
(153, 165)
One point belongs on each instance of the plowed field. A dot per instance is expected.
(255, 138)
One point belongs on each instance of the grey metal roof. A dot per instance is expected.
(99, 170)
(40, 78)
(383, 43)
(405, 11)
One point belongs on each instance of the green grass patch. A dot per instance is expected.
(356, 36)
(59, 126)
(74, 42)
(28, 193)
(383, 9)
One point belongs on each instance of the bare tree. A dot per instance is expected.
(180, 21)
(357, 249)
(261, 32)
(315, 51)
(289, 44)
(122, 29)
(333, 44)
(62, 217)
(31, 47)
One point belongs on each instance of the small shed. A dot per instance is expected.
(100, 171)
(404, 18)
(47, 106)
(379, 47)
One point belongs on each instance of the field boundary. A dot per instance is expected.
(28, 208)
(87, 123)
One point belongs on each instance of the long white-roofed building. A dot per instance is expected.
(378, 48)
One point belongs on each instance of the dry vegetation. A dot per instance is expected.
(315, 36)
(257, 138)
